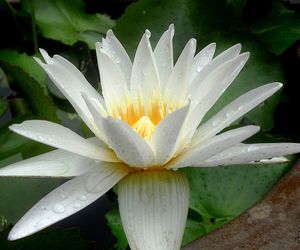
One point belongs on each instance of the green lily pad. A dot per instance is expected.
(29, 79)
(67, 21)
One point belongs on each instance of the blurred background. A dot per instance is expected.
(270, 30)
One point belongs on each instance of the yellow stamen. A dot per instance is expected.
(144, 127)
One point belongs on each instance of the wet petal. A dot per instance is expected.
(167, 134)
(163, 54)
(61, 137)
(144, 78)
(212, 88)
(235, 110)
(68, 199)
(202, 59)
(57, 163)
(153, 207)
(130, 147)
(115, 50)
(247, 153)
(69, 80)
(210, 147)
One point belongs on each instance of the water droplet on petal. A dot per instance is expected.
(240, 108)
(77, 205)
(215, 122)
(43, 208)
(117, 60)
(43, 223)
(58, 208)
(199, 69)
(82, 198)
(62, 196)
(229, 113)
(251, 148)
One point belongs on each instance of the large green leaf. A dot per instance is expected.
(279, 29)
(29, 79)
(67, 21)
(208, 21)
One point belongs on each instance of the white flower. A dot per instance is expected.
(146, 126)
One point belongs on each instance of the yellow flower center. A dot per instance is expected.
(143, 114)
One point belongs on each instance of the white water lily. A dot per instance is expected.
(146, 126)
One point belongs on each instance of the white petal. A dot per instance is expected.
(202, 59)
(68, 199)
(179, 78)
(247, 153)
(114, 49)
(57, 163)
(214, 145)
(163, 54)
(225, 56)
(61, 137)
(165, 139)
(153, 207)
(144, 77)
(235, 110)
(212, 88)
(127, 144)
(69, 80)
(114, 86)
(95, 109)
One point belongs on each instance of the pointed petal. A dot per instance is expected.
(68, 199)
(69, 80)
(163, 54)
(95, 109)
(114, 49)
(235, 110)
(165, 139)
(153, 207)
(212, 88)
(144, 77)
(249, 153)
(202, 59)
(127, 144)
(61, 137)
(57, 163)
(225, 56)
(210, 147)
(113, 82)
(179, 78)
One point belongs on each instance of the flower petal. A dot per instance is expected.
(163, 54)
(202, 59)
(225, 56)
(114, 49)
(212, 88)
(69, 80)
(235, 110)
(57, 163)
(210, 147)
(179, 78)
(153, 207)
(61, 137)
(68, 199)
(130, 147)
(113, 82)
(144, 77)
(249, 153)
(165, 139)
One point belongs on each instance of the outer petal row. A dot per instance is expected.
(68, 199)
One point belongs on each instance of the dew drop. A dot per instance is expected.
(117, 60)
(43, 223)
(199, 69)
(62, 196)
(240, 108)
(82, 198)
(215, 122)
(58, 208)
(251, 148)
(229, 113)
(77, 205)
(43, 208)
